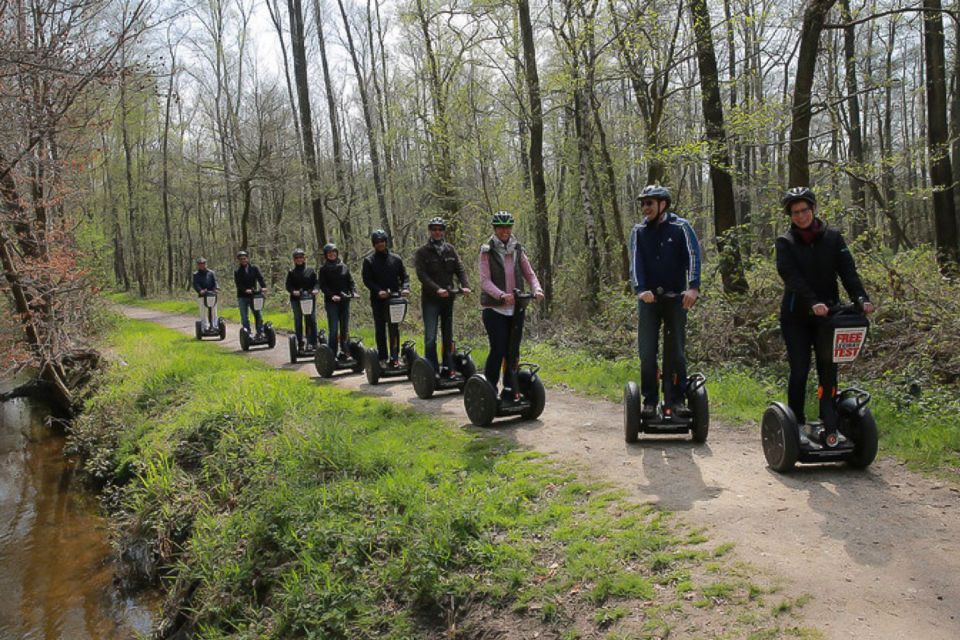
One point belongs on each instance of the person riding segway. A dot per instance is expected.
(210, 324)
(386, 277)
(437, 264)
(811, 256)
(665, 275)
(505, 272)
(301, 284)
(251, 292)
(337, 284)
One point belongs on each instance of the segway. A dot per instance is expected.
(854, 441)
(480, 398)
(216, 326)
(308, 307)
(327, 362)
(267, 338)
(664, 420)
(426, 380)
(375, 369)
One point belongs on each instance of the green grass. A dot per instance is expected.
(290, 509)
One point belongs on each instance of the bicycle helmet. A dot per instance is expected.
(502, 219)
(437, 222)
(299, 253)
(327, 248)
(241, 254)
(201, 260)
(378, 235)
(796, 194)
(656, 192)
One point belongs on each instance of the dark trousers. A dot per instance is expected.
(503, 354)
(338, 323)
(246, 306)
(298, 320)
(381, 323)
(671, 314)
(437, 311)
(800, 336)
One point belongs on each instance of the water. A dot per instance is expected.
(56, 580)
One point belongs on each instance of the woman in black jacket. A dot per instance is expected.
(335, 280)
(810, 258)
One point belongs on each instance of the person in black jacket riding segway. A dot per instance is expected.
(437, 264)
(810, 258)
(204, 280)
(299, 279)
(335, 280)
(247, 277)
(383, 274)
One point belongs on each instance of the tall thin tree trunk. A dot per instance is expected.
(857, 192)
(165, 179)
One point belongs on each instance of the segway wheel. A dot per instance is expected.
(371, 364)
(864, 432)
(357, 353)
(631, 412)
(294, 349)
(223, 329)
(324, 360)
(479, 401)
(700, 408)
(535, 392)
(423, 378)
(244, 340)
(199, 327)
(780, 437)
(271, 337)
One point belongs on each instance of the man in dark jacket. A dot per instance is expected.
(665, 258)
(383, 274)
(204, 280)
(247, 278)
(335, 281)
(436, 264)
(302, 279)
(810, 258)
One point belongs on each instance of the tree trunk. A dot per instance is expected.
(857, 192)
(165, 179)
(724, 205)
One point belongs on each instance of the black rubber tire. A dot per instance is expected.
(424, 378)
(271, 337)
(357, 353)
(223, 329)
(480, 401)
(199, 328)
(324, 360)
(699, 405)
(294, 349)
(631, 412)
(780, 437)
(865, 440)
(244, 339)
(537, 395)
(371, 365)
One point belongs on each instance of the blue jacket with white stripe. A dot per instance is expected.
(664, 254)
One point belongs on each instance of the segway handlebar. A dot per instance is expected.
(352, 294)
(660, 294)
(846, 307)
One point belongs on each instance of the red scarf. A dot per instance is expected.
(808, 235)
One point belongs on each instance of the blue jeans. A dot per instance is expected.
(246, 305)
(437, 311)
(338, 321)
(671, 314)
(502, 354)
(298, 319)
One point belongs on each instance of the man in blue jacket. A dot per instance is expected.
(665, 274)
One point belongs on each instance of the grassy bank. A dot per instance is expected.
(277, 508)
(921, 428)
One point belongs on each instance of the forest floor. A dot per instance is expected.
(878, 550)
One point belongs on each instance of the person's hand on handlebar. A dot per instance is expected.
(335, 298)
(820, 309)
(539, 296)
(295, 293)
(203, 292)
(443, 293)
(690, 298)
(464, 290)
(383, 295)
(248, 291)
(405, 293)
(507, 299)
(646, 296)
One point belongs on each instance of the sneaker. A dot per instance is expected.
(681, 410)
(648, 411)
(395, 363)
(508, 396)
(302, 346)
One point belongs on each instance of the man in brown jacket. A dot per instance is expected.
(437, 263)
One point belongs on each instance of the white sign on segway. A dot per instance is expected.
(847, 343)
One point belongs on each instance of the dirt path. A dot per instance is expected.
(879, 550)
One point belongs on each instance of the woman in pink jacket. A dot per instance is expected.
(504, 267)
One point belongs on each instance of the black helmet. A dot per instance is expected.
(656, 192)
(502, 219)
(796, 194)
(299, 253)
(378, 235)
(327, 248)
(437, 222)
(241, 253)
